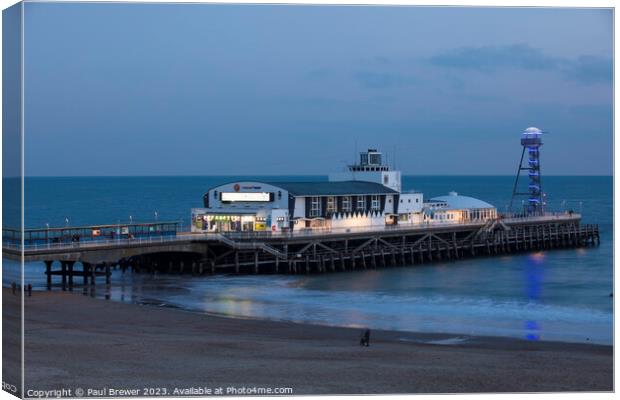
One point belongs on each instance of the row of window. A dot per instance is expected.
(347, 201)
(417, 200)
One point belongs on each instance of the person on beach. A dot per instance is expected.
(13, 287)
(29, 290)
(365, 340)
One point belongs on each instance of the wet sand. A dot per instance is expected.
(77, 341)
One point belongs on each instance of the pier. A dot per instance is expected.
(158, 248)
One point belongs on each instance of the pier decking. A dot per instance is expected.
(314, 251)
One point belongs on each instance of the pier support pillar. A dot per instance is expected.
(108, 273)
(70, 272)
(63, 267)
(93, 274)
(85, 272)
(48, 272)
(256, 262)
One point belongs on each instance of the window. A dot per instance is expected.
(315, 206)
(346, 203)
(374, 203)
(331, 204)
(361, 202)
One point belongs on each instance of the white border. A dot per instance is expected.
(478, 3)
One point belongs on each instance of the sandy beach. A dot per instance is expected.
(76, 341)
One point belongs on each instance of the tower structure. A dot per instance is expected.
(370, 168)
(531, 140)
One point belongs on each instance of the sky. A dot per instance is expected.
(199, 89)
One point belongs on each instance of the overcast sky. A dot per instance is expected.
(180, 89)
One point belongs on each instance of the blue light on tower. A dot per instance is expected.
(531, 140)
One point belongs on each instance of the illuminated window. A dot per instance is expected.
(374, 203)
(331, 204)
(361, 202)
(346, 203)
(315, 207)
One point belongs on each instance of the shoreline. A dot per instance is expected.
(79, 341)
(430, 335)
(162, 304)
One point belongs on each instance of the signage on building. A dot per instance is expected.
(246, 196)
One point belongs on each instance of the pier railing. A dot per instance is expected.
(72, 236)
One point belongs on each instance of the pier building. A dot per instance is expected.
(457, 208)
(368, 195)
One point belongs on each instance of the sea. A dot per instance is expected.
(559, 295)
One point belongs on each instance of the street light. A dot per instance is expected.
(130, 220)
(156, 215)
(66, 221)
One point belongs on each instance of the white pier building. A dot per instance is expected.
(368, 195)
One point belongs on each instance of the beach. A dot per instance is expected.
(75, 341)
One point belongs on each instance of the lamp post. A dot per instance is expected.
(130, 220)
(156, 216)
(47, 234)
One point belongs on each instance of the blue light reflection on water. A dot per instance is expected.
(533, 272)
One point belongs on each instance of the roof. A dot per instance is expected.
(457, 201)
(333, 188)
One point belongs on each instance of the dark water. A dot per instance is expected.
(556, 295)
